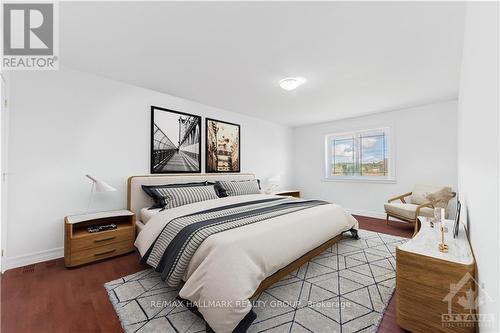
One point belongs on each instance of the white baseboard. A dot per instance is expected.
(32, 258)
(36, 257)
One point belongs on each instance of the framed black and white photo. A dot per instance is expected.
(222, 146)
(175, 141)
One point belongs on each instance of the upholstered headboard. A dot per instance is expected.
(137, 199)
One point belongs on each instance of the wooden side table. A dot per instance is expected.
(82, 247)
(288, 193)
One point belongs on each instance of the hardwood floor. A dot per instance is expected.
(47, 297)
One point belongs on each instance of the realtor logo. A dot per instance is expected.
(29, 36)
(468, 295)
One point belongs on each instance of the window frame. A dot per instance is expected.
(356, 136)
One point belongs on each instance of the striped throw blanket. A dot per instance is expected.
(172, 251)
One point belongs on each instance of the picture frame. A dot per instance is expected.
(175, 141)
(456, 226)
(222, 146)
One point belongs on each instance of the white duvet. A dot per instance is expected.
(229, 266)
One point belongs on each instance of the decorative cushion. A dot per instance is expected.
(407, 210)
(158, 192)
(441, 198)
(180, 196)
(420, 192)
(233, 188)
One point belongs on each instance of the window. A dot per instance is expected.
(361, 155)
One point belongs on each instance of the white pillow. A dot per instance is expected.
(148, 213)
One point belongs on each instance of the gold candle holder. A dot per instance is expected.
(442, 246)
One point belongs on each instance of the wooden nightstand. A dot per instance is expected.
(288, 193)
(81, 246)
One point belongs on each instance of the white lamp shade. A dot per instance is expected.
(100, 185)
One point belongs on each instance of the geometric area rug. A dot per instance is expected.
(345, 289)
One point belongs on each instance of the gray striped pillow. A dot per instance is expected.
(232, 188)
(151, 190)
(179, 196)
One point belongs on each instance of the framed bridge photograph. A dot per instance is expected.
(175, 141)
(222, 146)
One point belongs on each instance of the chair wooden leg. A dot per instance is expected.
(416, 228)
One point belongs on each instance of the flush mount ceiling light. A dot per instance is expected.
(291, 83)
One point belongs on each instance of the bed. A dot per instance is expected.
(220, 273)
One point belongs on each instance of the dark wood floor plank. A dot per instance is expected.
(47, 297)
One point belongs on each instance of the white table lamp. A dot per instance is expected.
(98, 185)
(272, 183)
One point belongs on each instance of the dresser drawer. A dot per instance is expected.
(102, 238)
(101, 252)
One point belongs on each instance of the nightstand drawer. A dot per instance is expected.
(90, 240)
(101, 252)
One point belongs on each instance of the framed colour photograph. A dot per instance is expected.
(175, 141)
(222, 146)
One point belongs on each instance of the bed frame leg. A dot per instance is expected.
(354, 233)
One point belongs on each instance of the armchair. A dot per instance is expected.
(419, 204)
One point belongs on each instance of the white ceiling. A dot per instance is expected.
(358, 57)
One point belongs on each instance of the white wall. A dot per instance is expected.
(64, 124)
(3, 160)
(425, 153)
(478, 152)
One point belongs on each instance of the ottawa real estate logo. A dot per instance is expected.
(30, 36)
(464, 300)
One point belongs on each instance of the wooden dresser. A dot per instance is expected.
(81, 246)
(431, 286)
